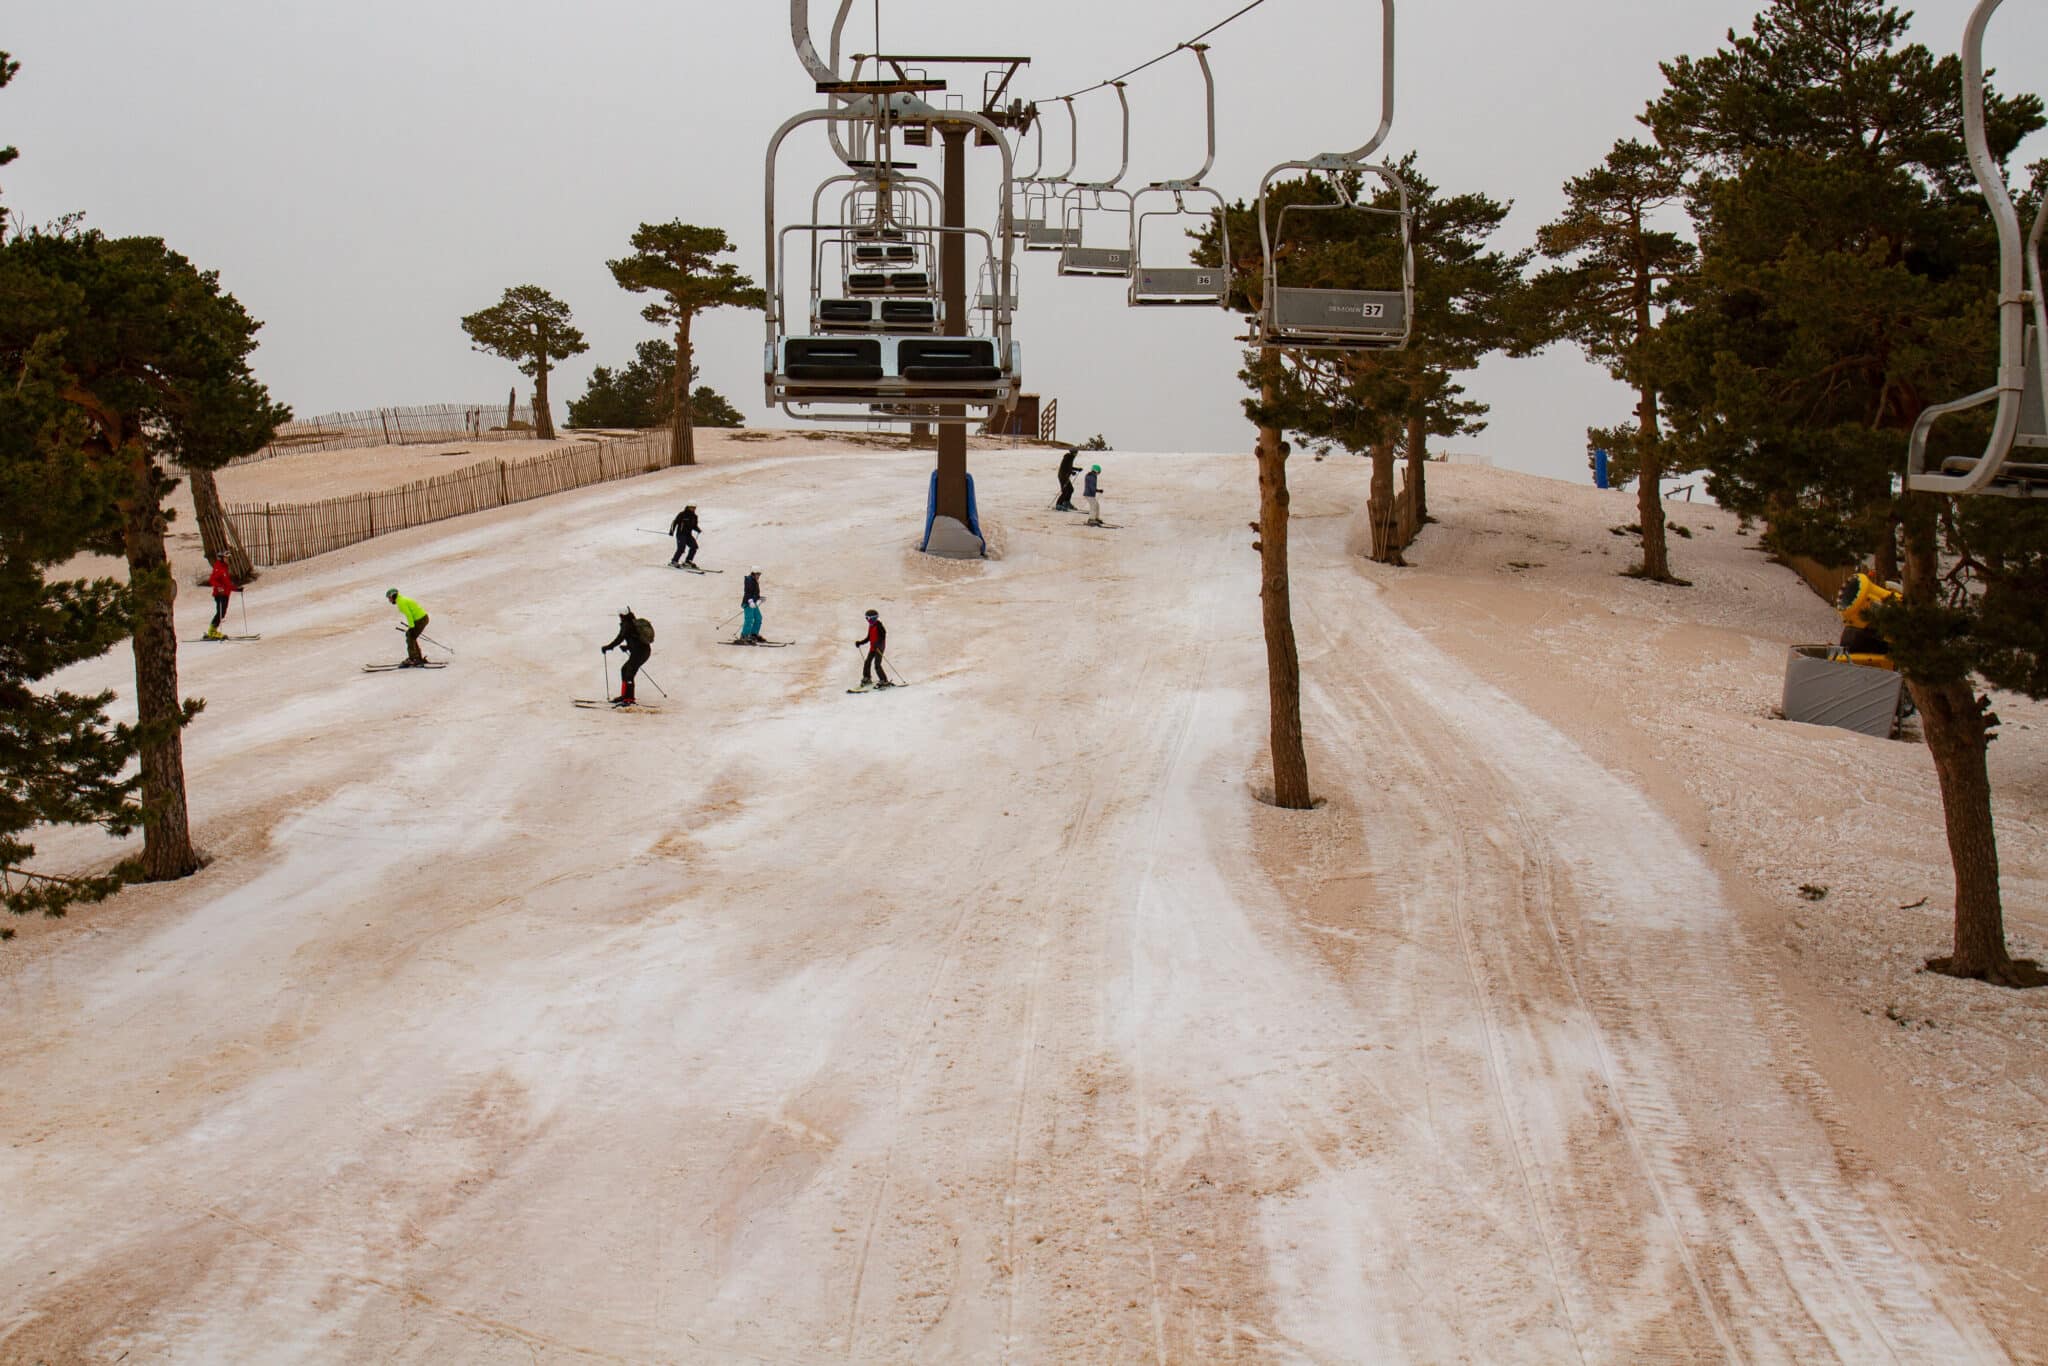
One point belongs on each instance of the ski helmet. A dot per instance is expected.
(391, 594)
(755, 570)
(872, 614)
(1095, 469)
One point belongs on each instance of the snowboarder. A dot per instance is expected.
(1092, 491)
(750, 608)
(222, 582)
(684, 529)
(876, 640)
(415, 622)
(1066, 502)
(636, 638)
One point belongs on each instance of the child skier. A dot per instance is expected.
(636, 637)
(1092, 491)
(750, 608)
(876, 640)
(222, 582)
(415, 623)
(684, 529)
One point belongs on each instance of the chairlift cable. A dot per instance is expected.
(1213, 28)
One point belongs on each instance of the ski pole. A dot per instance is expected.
(606, 656)
(245, 611)
(657, 687)
(727, 622)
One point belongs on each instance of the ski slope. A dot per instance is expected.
(989, 1019)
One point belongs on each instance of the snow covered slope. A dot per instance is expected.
(991, 1018)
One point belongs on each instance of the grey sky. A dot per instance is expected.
(362, 174)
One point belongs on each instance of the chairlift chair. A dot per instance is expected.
(1295, 318)
(1047, 233)
(897, 364)
(2020, 422)
(1182, 286)
(1100, 197)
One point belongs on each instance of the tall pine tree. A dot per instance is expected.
(531, 328)
(1847, 280)
(679, 263)
(1616, 274)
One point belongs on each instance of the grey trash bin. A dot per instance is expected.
(1823, 688)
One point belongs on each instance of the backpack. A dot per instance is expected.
(644, 629)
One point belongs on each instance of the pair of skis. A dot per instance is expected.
(394, 668)
(218, 640)
(696, 569)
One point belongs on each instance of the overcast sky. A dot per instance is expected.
(362, 174)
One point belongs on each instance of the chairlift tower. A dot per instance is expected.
(934, 381)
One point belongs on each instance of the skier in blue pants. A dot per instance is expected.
(750, 608)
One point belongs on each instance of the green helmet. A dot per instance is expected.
(391, 592)
(1095, 469)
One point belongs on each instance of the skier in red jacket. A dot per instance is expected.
(876, 640)
(222, 583)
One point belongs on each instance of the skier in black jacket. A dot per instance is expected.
(637, 638)
(1066, 502)
(684, 529)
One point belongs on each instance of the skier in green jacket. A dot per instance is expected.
(415, 622)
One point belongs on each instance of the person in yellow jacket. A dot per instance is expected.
(1858, 597)
(415, 622)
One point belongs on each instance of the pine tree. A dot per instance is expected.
(679, 263)
(1618, 270)
(61, 763)
(8, 66)
(150, 359)
(1846, 282)
(531, 328)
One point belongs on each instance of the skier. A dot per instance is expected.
(750, 608)
(1066, 502)
(415, 623)
(223, 583)
(684, 529)
(877, 640)
(636, 637)
(1092, 491)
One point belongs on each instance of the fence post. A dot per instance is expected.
(269, 537)
(504, 490)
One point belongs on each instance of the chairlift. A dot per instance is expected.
(2020, 422)
(1050, 234)
(1302, 319)
(891, 361)
(1100, 197)
(1182, 286)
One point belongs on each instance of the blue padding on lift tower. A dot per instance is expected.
(931, 511)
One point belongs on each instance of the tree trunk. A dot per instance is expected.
(1283, 662)
(1650, 490)
(216, 532)
(682, 446)
(166, 829)
(1884, 559)
(1380, 508)
(1957, 724)
(1418, 478)
(543, 419)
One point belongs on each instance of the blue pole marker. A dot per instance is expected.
(1600, 480)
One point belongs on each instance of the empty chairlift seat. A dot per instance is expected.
(1342, 317)
(844, 315)
(948, 359)
(832, 358)
(1114, 262)
(2025, 470)
(1177, 285)
(910, 314)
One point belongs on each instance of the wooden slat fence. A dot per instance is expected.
(432, 423)
(280, 533)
